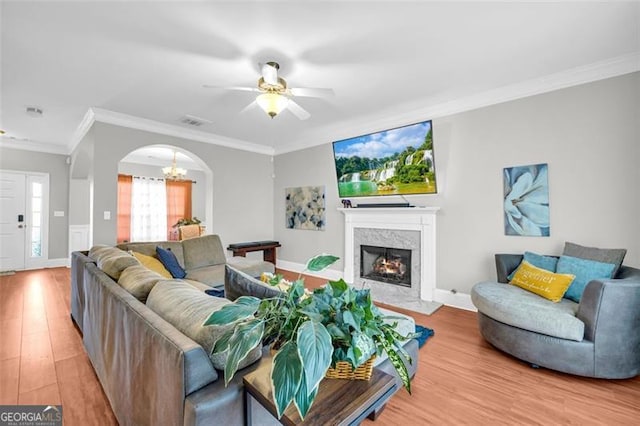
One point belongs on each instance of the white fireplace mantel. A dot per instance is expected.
(422, 219)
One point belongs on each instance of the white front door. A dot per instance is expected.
(13, 217)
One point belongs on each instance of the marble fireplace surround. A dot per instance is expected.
(416, 226)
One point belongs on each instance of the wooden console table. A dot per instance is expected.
(339, 402)
(268, 249)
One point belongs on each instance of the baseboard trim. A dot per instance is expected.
(456, 300)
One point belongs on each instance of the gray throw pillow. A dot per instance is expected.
(237, 283)
(615, 256)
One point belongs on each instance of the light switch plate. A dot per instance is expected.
(58, 213)
(107, 215)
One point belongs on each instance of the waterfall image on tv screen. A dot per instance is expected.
(392, 162)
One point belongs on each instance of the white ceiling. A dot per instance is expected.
(389, 63)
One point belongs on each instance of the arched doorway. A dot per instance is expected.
(145, 165)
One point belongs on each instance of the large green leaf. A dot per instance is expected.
(320, 262)
(315, 350)
(363, 347)
(246, 336)
(286, 375)
(397, 363)
(303, 400)
(349, 319)
(222, 344)
(338, 287)
(243, 307)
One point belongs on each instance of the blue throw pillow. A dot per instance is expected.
(169, 260)
(585, 270)
(543, 262)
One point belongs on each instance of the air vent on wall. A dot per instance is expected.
(192, 120)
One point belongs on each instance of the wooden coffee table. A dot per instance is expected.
(339, 402)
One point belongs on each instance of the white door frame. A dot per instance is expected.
(31, 262)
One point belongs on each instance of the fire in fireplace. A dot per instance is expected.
(385, 264)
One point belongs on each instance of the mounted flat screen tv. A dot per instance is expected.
(392, 162)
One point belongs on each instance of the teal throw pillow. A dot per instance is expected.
(585, 270)
(170, 261)
(543, 262)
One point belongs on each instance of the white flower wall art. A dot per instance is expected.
(305, 208)
(526, 200)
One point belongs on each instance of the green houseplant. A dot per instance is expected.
(311, 332)
(187, 221)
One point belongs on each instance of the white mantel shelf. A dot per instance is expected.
(394, 210)
(421, 219)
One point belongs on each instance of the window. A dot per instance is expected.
(36, 219)
(139, 212)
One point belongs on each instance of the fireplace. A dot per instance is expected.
(386, 264)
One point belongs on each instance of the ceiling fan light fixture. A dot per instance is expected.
(272, 103)
(173, 172)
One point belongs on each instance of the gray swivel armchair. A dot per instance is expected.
(609, 312)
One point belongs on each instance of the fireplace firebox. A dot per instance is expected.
(385, 264)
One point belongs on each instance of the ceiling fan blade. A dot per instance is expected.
(297, 110)
(240, 88)
(311, 92)
(270, 74)
(249, 107)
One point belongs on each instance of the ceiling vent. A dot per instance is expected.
(192, 120)
(34, 112)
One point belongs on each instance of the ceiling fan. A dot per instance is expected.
(275, 95)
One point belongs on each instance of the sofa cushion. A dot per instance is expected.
(211, 276)
(251, 267)
(542, 282)
(615, 256)
(139, 280)
(519, 308)
(203, 251)
(149, 248)
(152, 263)
(112, 260)
(237, 283)
(545, 262)
(170, 262)
(584, 270)
(186, 308)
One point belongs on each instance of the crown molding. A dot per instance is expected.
(613, 67)
(33, 146)
(138, 123)
(82, 129)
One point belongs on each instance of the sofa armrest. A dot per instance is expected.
(505, 264)
(610, 310)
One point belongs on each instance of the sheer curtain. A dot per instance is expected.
(148, 210)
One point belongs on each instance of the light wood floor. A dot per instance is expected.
(461, 379)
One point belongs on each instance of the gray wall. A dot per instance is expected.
(589, 136)
(198, 192)
(56, 166)
(242, 187)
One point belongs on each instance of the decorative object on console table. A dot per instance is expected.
(310, 332)
(268, 249)
(526, 200)
(305, 208)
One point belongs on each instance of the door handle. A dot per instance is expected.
(22, 226)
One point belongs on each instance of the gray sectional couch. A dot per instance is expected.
(150, 351)
(598, 337)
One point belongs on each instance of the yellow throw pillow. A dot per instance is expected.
(152, 263)
(542, 282)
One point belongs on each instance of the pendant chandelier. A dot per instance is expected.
(173, 172)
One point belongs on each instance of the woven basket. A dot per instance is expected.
(343, 370)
